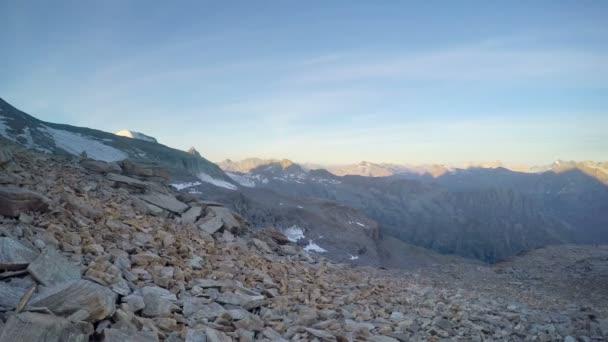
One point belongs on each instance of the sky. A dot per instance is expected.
(320, 81)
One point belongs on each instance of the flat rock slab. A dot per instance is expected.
(127, 180)
(166, 202)
(36, 327)
(10, 296)
(100, 166)
(211, 225)
(116, 335)
(190, 216)
(67, 298)
(14, 201)
(226, 216)
(52, 268)
(14, 255)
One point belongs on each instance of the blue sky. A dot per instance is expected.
(321, 81)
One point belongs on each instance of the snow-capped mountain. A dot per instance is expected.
(135, 135)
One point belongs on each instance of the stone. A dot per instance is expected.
(145, 258)
(198, 309)
(245, 301)
(320, 333)
(163, 293)
(14, 255)
(381, 338)
(163, 275)
(116, 335)
(226, 217)
(216, 336)
(156, 306)
(192, 215)
(165, 201)
(79, 205)
(67, 298)
(100, 166)
(196, 335)
(210, 225)
(144, 169)
(36, 327)
(250, 323)
(52, 268)
(136, 183)
(14, 201)
(134, 301)
(10, 296)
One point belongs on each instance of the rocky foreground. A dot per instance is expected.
(107, 252)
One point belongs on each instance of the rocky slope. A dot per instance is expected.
(90, 252)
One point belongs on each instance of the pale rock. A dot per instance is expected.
(67, 298)
(196, 335)
(192, 215)
(14, 255)
(14, 201)
(116, 335)
(36, 327)
(166, 202)
(52, 268)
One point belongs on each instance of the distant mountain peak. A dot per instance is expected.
(136, 135)
(193, 151)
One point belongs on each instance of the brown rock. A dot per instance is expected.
(14, 201)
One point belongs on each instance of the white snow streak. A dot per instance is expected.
(217, 182)
(313, 247)
(75, 143)
(241, 179)
(182, 186)
(294, 233)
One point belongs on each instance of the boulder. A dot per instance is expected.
(226, 216)
(67, 298)
(10, 296)
(14, 255)
(192, 215)
(199, 308)
(36, 327)
(100, 166)
(14, 201)
(136, 183)
(216, 336)
(51, 268)
(165, 201)
(210, 224)
(144, 169)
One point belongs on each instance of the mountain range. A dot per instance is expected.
(369, 214)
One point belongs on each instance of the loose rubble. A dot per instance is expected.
(116, 255)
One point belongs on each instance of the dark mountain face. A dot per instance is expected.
(486, 214)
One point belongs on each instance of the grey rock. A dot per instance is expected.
(320, 333)
(157, 306)
(100, 166)
(134, 301)
(381, 338)
(226, 216)
(127, 180)
(10, 296)
(67, 298)
(36, 327)
(245, 301)
(52, 268)
(211, 225)
(116, 335)
(216, 336)
(165, 201)
(14, 201)
(192, 215)
(163, 293)
(196, 335)
(14, 255)
(199, 308)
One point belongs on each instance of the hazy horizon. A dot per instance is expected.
(325, 83)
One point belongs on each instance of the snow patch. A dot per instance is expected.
(301, 207)
(136, 135)
(182, 186)
(75, 144)
(217, 182)
(313, 247)
(4, 129)
(353, 257)
(241, 179)
(294, 233)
